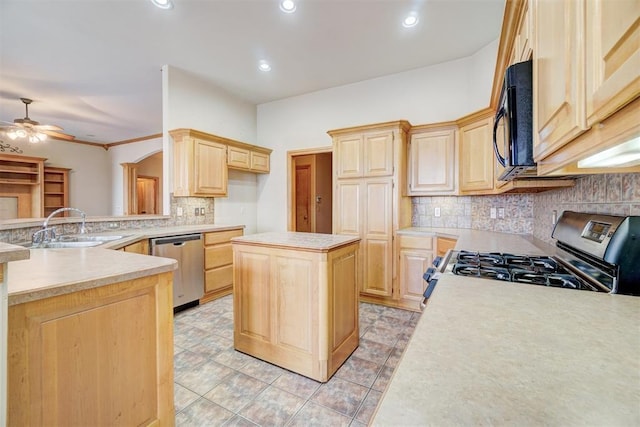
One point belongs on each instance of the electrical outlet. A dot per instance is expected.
(436, 211)
(197, 211)
(493, 213)
(113, 225)
(201, 211)
(500, 212)
(179, 211)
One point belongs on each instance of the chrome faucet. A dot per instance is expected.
(48, 234)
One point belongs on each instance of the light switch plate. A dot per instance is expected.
(436, 211)
(201, 211)
(179, 211)
(493, 213)
(197, 211)
(500, 212)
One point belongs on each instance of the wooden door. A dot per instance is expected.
(476, 156)
(558, 74)
(304, 210)
(432, 162)
(378, 154)
(612, 56)
(377, 236)
(147, 194)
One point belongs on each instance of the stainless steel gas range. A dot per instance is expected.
(594, 252)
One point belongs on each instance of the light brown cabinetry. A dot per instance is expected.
(248, 159)
(432, 162)
(218, 264)
(586, 78)
(369, 182)
(56, 189)
(21, 189)
(416, 255)
(296, 307)
(477, 158)
(139, 247)
(101, 356)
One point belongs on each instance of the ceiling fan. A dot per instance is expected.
(32, 130)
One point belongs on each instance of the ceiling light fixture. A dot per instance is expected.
(163, 4)
(264, 66)
(287, 6)
(411, 20)
(29, 133)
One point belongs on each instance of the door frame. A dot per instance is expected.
(291, 178)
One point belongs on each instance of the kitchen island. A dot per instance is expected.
(90, 338)
(487, 352)
(296, 300)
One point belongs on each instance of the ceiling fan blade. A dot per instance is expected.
(48, 127)
(59, 135)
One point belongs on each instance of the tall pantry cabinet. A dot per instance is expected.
(370, 201)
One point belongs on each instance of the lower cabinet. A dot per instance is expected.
(101, 356)
(444, 244)
(416, 255)
(140, 247)
(296, 307)
(218, 264)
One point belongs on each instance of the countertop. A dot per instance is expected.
(486, 352)
(51, 272)
(294, 240)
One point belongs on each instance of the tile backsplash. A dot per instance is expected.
(617, 194)
(475, 212)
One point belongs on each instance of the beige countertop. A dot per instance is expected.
(12, 253)
(487, 352)
(51, 272)
(304, 241)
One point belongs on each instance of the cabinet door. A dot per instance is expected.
(378, 154)
(210, 168)
(259, 162)
(413, 264)
(476, 156)
(377, 237)
(348, 156)
(347, 213)
(612, 56)
(238, 158)
(558, 74)
(432, 163)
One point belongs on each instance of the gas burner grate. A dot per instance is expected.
(474, 270)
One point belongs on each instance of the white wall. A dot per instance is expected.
(127, 153)
(90, 175)
(432, 94)
(190, 102)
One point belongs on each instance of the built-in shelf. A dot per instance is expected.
(56, 189)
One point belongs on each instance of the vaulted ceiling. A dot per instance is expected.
(93, 66)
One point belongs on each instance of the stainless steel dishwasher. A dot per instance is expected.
(188, 279)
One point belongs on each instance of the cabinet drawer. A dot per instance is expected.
(416, 242)
(218, 256)
(220, 236)
(218, 278)
(444, 244)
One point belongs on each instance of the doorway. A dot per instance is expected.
(310, 193)
(147, 195)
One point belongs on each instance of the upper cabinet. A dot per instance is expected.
(432, 162)
(612, 37)
(558, 74)
(476, 153)
(201, 162)
(586, 71)
(364, 155)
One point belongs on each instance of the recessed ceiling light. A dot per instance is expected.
(163, 4)
(264, 66)
(287, 6)
(411, 20)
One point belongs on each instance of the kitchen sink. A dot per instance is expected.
(74, 241)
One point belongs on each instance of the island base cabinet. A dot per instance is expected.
(101, 356)
(296, 309)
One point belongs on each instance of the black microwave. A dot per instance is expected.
(513, 124)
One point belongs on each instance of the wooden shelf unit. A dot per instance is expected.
(56, 189)
(21, 179)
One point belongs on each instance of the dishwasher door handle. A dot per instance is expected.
(179, 243)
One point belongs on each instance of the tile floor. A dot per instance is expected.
(216, 385)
